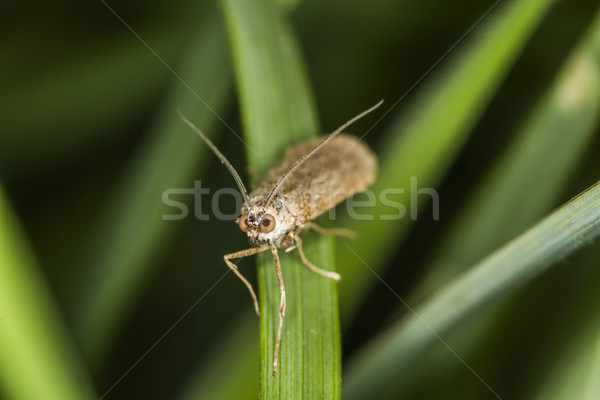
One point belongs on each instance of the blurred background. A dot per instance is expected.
(82, 99)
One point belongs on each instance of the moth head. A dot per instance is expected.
(259, 223)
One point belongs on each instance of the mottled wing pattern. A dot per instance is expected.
(343, 166)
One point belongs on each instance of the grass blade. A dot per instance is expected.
(553, 239)
(419, 145)
(544, 155)
(133, 233)
(277, 110)
(232, 358)
(541, 156)
(37, 361)
(576, 374)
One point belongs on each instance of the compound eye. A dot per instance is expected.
(243, 222)
(267, 224)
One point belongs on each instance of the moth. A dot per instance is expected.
(313, 177)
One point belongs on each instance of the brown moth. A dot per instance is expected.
(314, 176)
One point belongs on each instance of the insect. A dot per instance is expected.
(313, 176)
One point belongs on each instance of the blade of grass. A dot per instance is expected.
(37, 360)
(232, 358)
(592, 384)
(277, 110)
(424, 142)
(557, 236)
(543, 155)
(576, 374)
(132, 233)
(559, 305)
(568, 358)
(560, 359)
(592, 388)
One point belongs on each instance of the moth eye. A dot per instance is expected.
(243, 222)
(267, 224)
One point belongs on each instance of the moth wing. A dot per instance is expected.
(343, 166)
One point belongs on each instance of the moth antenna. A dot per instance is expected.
(317, 147)
(220, 155)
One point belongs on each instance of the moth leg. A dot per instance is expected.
(234, 268)
(313, 267)
(332, 231)
(291, 238)
(281, 306)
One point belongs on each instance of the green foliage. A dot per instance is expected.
(34, 345)
(310, 358)
(504, 127)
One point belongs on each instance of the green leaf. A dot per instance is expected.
(231, 360)
(277, 111)
(37, 360)
(553, 239)
(541, 156)
(575, 373)
(118, 260)
(421, 145)
(544, 154)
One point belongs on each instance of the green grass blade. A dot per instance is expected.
(277, 110)
(576, 374)
(544, 155)
(568, 354)
(592, 385)
(230, 361)
(426, 141)
(553, 239)
(118, 260)
(37, 361)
